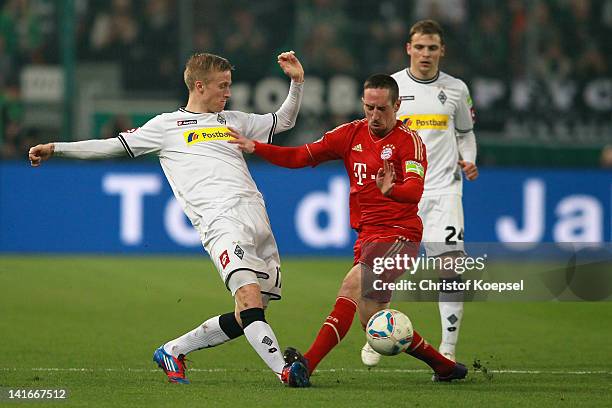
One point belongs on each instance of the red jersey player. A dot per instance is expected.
(386, 165)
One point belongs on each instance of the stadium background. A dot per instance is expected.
(540, 76)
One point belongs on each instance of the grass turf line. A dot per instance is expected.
(112, 312)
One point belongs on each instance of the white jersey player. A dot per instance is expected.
(211, 181)
(439, 107)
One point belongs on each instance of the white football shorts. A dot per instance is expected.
(243, 249)
(442, 218)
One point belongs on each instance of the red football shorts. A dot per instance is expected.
(384, 255)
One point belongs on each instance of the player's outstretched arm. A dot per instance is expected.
(289, 157)
(40, 153)
(288, 112)
(85, 150)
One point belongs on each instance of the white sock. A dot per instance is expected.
(262, 339)
(208, 334)
(451, 314)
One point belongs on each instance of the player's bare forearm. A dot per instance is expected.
(40, 153)
(291, 66)
(290, 157)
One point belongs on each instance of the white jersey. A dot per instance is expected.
(440, 109)
(206, 173)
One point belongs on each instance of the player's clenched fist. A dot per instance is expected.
(291, 66)
(40, 153)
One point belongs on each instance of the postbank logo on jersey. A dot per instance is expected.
(206, 135)
(415, 167)
(417, 122)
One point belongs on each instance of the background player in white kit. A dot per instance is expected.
(211, 181)
(439, 107)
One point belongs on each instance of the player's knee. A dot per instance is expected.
(248, 316)
(248, 296)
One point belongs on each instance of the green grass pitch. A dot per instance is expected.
(91, 324)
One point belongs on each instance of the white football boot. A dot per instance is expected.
(369, 357)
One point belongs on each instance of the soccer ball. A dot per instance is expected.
(389, 332)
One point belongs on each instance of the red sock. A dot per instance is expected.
(424, 352)
(334, 329)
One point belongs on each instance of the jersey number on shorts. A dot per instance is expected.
(452, 231)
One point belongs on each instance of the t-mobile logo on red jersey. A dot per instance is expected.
(360, 172)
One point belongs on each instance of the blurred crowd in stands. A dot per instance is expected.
(507, 39)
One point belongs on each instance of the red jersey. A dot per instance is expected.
(363, 155)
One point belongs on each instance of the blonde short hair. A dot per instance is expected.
(199, 65)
